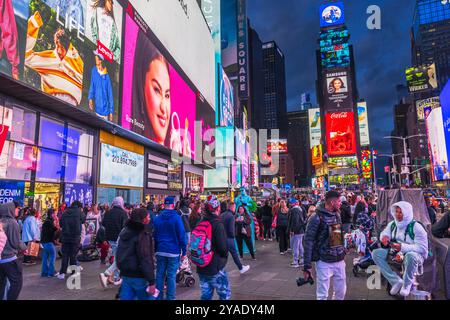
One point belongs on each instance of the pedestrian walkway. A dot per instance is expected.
(270, 277)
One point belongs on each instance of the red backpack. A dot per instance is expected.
(200, 246)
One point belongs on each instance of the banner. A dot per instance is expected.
(363, 122)
(430, 103)
(12, 191)
(315, 132)
(340, 133)
(366, 164)
(78, 192)
(337, 90)
(421, 78)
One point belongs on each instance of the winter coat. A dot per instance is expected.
(11, 228)
(48, 233)
(243, 224)
(420, 242)
(114, 221)
(229, 224)
(266, 213)
(70, 223)
(30, 230)
(346, 213)
(282, 219)
(297, 220)
(360, 207)
(135, 252)
(439, 229)
(169, 233)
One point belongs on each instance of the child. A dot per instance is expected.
(3, 239)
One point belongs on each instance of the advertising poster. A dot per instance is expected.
(226, 111)
(78, 192)
(120, 167)
(340, 132)
(70, 50)
(156, 103)
(421, 78)
(174, 176)
(205, 142)
(242, 27)
(430, 103)
(445, 102)
(315, 132)
(277, 145)
(317, 155)
(437, 146)
(229, 36)
(338, 91)
(363, 122)
(12, 191)
(332, 14)
(366, 164)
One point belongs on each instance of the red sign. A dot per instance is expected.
(387, 169)
(3, 134)
(104, 51)
(277, 145)
(340, 133)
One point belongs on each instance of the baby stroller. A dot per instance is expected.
(364, 245)
(184, 274)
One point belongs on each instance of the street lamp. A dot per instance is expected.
(405, 153)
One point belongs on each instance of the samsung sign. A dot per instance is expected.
(332, 14)
(242, 49)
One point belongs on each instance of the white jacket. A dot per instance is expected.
(420, 242)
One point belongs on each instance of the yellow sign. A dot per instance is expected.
(119, 142)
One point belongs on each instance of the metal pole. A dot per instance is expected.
(406, 160)
(374, 172)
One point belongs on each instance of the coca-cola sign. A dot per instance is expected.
(339, 115)
(340, 134)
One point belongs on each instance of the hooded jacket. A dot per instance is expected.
(12, 231)
(135, 252)
(420, 242)
(71, 221)
(114, 221)
(297, 220)
(169, 234)
(3, 240)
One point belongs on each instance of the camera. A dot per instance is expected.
(302, 281)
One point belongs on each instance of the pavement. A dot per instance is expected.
(270, 277)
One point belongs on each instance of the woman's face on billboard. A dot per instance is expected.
(157, 98)
(337, 84)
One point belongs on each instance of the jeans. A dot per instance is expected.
(297, 247)
(326, 272)
(69, 253)
(48, 259)
(240, 239)
(12, 272)
(411, 262)
(267, 229)
(134, 289)
(232, 249)
(166, 268)
(283, 235)
(218, 282)
(113, 270)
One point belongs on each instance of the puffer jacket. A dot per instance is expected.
(12, 231)
(297, 220)
(318, 245)
(114, 221)
(71, 221)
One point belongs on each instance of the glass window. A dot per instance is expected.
(17, 161)
(20, 121)
(49, 167)
(51, 134)
(80, 141)
(78, 169)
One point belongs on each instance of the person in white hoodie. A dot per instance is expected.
(407, 236)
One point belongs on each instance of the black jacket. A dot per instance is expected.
(360, 207)
(48, 232)
(432, 215)
(228, 223)
(317, 241)
(297, 220)
(283, 219)
(266, 213)
(114, 221)
(70, 222)
(135, 252)
(184, 213)
(346, 213)
(219, 246)
(439, 229)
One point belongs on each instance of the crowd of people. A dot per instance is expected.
(143, 246)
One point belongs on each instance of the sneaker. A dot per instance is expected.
(270, 239)
(294, 265)
(405, 291)
(396, 288)
(244, 269)
(61, 276)
(30, 263)
(104, 280)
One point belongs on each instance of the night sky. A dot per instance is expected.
(381, 56)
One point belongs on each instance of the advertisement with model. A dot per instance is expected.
(315, 132)
(226, 111)
(338, 90)
(340, 133)
(430, 103)
(421, 78)
(437, 146)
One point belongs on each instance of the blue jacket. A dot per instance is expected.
(169, 234)
(30, 230)
(101, 92)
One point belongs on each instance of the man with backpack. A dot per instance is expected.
(209, 252)
(324, 243)
(406, 236)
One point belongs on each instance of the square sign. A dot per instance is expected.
(332, 14)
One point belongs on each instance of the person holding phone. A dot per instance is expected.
(243, 231)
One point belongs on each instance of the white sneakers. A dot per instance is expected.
(396, 288)
(405, 291)
(60, 276)
(244, 269)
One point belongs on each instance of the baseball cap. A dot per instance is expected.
(169, 200)
(293, 201)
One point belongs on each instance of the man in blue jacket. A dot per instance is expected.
(170, 242)
(100, 92)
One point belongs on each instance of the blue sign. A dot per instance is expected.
(445, 104)
(12, 191)
(332, 14)
(78, 192)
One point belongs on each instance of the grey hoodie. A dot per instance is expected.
(12, 231)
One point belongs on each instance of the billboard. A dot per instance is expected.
(277, 145)
(445, 102)
(12, 191)
(225, 143)
(317, 155)
(363, 121)
(366, 164)
(181, 28)
(332, 14)
(340, 133)
(342, 162)
(430, 103)
(226, 110)
(70, 50)
(437, 145)
(229, 40)
(337, 90)
(421, 78)
(315, 131)
(119, 167)
(243, 74)
(78, 192)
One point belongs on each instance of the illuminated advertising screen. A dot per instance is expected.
(277, 145)
(225, 143)
(333, 37)
(78, 192)
(342, 162)
(226, 111)
(206, 117)
(229, 36)
(217, 178)
(363, 121)
(340, 133)
(437, 145)
(332, 14)
(337, 90)
(445, 102)
(315, 132)
(119, 167)
(334, 48)
(366, 164)
(12, 191)
(240, 146)
(316, 155)
(71, 50)
(242, 29)
(430, 103)
(421, 78)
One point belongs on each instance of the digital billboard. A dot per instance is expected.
(206, 117)
(225, 143)
(421, 78)
(78, 192)
(342, 162)
(366, 164)
(337, 90)
(70, 50)
(340, 133)
(12, 191)
(226, 110)
(437, 144)
(430, 103)
(277, 145)
(332, 14)
(334, 48)
(363, 121)
(229, 36)
(315, 131)
(317, 155)
(445, 109)
(243, 74)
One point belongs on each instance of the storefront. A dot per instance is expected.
(41, 155)
(121, 170)
(193, 179)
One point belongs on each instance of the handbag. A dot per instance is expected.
(244, 231)
(32, 249)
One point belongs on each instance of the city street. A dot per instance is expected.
(270, 277)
